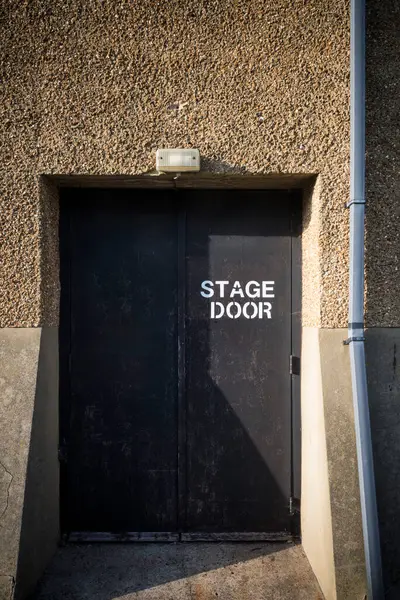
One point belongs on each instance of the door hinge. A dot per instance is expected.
(62, 454)
(294, 365)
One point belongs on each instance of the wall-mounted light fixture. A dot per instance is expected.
(177, 160)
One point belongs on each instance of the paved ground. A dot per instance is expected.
(241, 571)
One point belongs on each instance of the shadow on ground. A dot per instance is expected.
(185, 571)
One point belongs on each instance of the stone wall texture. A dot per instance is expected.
(383, 164)
(96, 87)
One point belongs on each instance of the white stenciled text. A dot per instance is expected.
(235, 300)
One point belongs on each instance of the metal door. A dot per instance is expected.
(119, 384)
(176, 336)
(238, 392)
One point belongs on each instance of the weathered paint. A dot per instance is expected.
(141, 348)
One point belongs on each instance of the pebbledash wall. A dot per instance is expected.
(261, 87)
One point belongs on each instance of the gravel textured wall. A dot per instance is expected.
(383, 164)
(260, 86)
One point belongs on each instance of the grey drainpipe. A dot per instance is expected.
(356, 304)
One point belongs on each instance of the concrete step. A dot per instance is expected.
(180, 571)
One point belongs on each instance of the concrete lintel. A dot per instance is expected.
(202, 180)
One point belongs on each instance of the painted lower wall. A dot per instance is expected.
(29, 485)
(333, 543)
(348, 544)
(383, 373)
(331, 524)
(316, 525)
(331, 517)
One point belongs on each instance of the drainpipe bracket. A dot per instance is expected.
(357, 338)
(354, 201)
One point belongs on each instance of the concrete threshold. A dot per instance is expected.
(180, 571)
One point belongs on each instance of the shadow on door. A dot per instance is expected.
(211, 453)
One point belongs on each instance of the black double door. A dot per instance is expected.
(175, 340)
